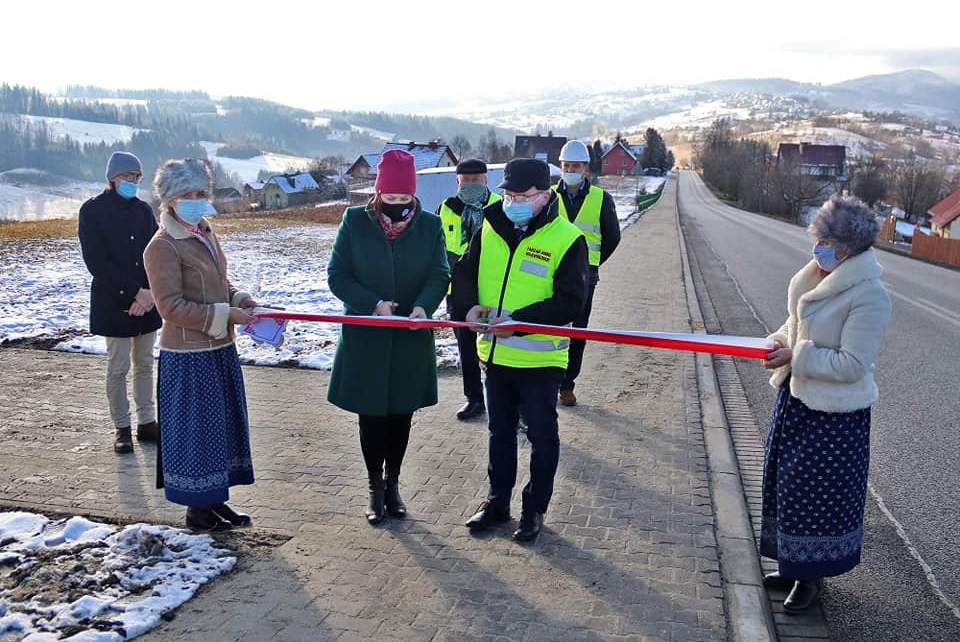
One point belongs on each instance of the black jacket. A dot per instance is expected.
(609, 223)
(569, 281)
(113, 234)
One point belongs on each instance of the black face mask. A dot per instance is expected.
(396, 212)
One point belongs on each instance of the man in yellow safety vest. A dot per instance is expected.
(594, 213)
(528, 264)
(461, 216)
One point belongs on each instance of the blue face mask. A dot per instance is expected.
(519, 213)
(127, 189)
(826, 257)
(572, 178)
(191, 210)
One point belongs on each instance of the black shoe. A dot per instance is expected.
(487, 515)
(375, 511)
(805, 594)
(529, 527)
(391, 498)
(236, 519)
(204, 519)
(470, 410)
(148, 432)
(123, 442)
(776, 581)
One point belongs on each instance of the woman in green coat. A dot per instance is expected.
(389, 259)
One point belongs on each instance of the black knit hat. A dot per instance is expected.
(521, 174)
(472, 166)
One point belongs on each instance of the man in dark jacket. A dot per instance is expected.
(115, 227)
(527, 263)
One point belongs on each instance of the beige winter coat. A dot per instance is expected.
(835, 327)
(190, 287)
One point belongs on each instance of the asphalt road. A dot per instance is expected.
(748, 261)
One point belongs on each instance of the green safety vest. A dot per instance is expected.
(508, 281)
(452, 229)
(588, 220)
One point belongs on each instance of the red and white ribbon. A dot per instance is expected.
(747, 347)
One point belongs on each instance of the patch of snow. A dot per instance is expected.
(83, 131)
(248, 168)
(130, 576)
(33, 195)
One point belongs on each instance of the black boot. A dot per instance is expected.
(375, 512)
(805, 594)
(529, 526)
(471, 409)
(123, 442)
(395, 506)
(488, 515)
(236, 519)
(204, 519)
(777, 581)
(148, 432)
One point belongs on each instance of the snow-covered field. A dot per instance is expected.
(82, 131)
(283, 267)
(31, 195)
(85, 581)
(248, 168)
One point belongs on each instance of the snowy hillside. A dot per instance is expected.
(82, 131)
(248, 168)
(33, 195)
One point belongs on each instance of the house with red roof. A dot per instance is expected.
(945, 217)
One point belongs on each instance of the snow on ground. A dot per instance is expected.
(284, 267)
(31, 195)
(80, 580)
(82, 131)
(701, 115)
(248, 168)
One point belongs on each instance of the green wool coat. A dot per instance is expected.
(382, 371)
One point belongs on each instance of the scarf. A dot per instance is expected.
(470, 219)
(393, 230)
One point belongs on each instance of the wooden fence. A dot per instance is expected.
(936, 249)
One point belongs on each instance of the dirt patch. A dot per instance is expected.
(44, 342)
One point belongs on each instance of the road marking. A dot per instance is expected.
(874, 493)
(902, 534)
(925, 308)
(941, 308)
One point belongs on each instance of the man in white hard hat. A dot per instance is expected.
(593, 211)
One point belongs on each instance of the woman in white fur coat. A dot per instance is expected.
(818, 447)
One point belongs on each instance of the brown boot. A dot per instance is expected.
(567, 398)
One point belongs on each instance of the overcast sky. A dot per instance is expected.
(417, 56)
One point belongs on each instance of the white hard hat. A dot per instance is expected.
(575, 152)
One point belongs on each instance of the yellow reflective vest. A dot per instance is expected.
(452, 226)
(508, 281)
(588, 220)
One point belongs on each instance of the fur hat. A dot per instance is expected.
(179, 177)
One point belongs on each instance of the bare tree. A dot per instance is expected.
(869, 181)
(918, 184)
(461, 146)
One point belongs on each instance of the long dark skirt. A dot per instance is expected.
(204, 433)
(814, 488)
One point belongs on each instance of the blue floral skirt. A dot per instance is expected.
(204, 433)
(814, 488)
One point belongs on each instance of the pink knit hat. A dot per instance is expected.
(396, 173)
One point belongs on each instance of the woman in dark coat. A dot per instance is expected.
(114, 229)
(389, 259)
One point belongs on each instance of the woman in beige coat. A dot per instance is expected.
(818, 448)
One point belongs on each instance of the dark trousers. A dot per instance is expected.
(577, 345)
(511, 391)
(469, 362)
(383, 441)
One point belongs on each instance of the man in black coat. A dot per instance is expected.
(115, 228)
